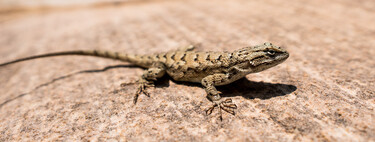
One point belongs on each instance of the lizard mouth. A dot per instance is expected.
(250, 67)
(261, 66)
(267, 61)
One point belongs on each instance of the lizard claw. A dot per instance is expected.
(143, 85)
(226, 105)
(128, 83)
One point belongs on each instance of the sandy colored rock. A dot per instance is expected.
(323, 92)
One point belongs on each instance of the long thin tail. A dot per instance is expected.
(104, 54)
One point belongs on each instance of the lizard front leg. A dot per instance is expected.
(157, 70)
(209, 83)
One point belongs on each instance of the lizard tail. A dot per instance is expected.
(95, 53)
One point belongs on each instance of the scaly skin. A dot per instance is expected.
(208, 68)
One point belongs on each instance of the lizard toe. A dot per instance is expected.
(226, 105)
(142, 89)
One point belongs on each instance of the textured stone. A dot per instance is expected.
(324, 91)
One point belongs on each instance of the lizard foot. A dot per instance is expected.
(226, 105)
(143, 85)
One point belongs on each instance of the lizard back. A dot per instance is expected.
(191, 66)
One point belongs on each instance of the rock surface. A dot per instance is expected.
(323, 92)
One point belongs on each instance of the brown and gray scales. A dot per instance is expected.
(208, 68)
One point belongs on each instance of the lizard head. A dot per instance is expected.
(260, 57)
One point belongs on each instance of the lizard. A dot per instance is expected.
(208, 68)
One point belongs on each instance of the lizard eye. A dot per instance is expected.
(271, 52)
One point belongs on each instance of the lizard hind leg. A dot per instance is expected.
(157, 70)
